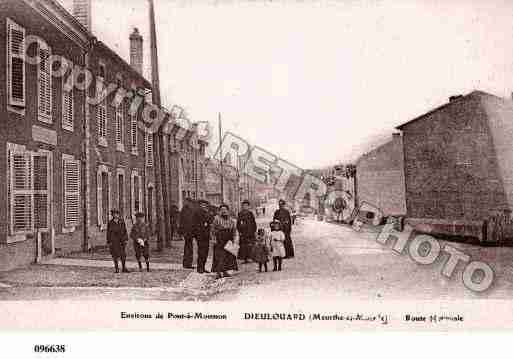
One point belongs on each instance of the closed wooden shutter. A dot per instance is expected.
(133, 129)
(21, 199)
(44, 78)
(119, 123)
(71, 170)
(16, 64)
(149, 149)
(41, 191)
(102, 119)
(67, 104)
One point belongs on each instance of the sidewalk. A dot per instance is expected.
(100, 263)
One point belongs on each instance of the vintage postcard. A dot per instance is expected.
(299, 165)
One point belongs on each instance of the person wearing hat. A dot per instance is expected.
(140, 235)
(201, 222)
(116, 240)
(246, 225)
(186, 229)
(282, 214)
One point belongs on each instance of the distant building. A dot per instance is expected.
(458, 161)
(380, 178)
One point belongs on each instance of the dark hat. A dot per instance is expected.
(114, 210)
(275, 223)
(139, 215)
(245, 202)
(282, 201)
(225, 206)
(203, 201)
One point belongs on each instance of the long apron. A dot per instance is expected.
(223, 260)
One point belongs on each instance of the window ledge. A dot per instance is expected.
(17, 110)
(67, 128)
(70, 229)
(16, 238)
(102, 141)
(44, 118)
(135, 152)
(120, 147)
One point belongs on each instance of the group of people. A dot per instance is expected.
(233, 238)
(117, 238)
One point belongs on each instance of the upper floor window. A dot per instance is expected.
(101, 119)
(44, 84)
(15, 64)
(67, 102)
(119, 127)
(149, 149)
(102, 70)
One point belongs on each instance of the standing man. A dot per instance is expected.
(246, 225)
(282, 214)
(187, 231)
(140, 235)
(116, 240)
(202, 221)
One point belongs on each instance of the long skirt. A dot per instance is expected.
(223, 260)
(117, 250)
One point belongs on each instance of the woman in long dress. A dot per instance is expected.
(224, 229)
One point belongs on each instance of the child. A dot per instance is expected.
(140, 235)
(261, 249)
(277, 246)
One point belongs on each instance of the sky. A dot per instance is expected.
(316, 82)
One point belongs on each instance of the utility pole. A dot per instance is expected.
(221, 158)
(158, 152)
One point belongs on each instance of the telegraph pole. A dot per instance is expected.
(221, 158)
(158, 152)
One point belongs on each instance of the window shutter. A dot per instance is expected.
(16, 64)
(44, 78)
(41, 191)
(21, 200)
(149, 149)
(133, 128)
(67, 104)
(71, 192)
(119, 123)
(102, 119)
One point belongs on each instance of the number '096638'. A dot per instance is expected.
(40, 348)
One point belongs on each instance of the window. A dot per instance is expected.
(15, 64)
(149, 149)
(136, 193)
(119, 127)
(121, 193)
(103, 196)
(133, 132)
(71, 173)
(102, 71)
(67, 102)
(21, 200)
(44, 84)
(101, 116)
(28, 190)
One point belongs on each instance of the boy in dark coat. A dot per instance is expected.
(247, 227)
(116, 240)
(282, 215)
(140, 235)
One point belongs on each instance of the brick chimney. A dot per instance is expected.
(136, 51)
(82, 12)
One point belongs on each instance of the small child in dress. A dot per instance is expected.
(277, 246)
(261, 249)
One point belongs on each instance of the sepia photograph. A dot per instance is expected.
(183, 164)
